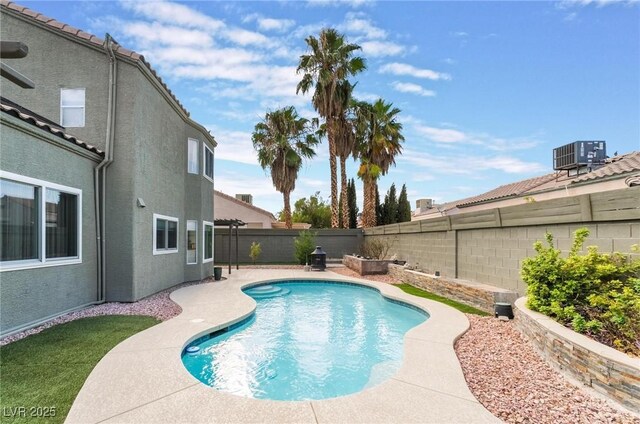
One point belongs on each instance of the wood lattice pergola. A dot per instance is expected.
(231, 223)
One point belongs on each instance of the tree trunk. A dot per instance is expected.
(344, 192)
(369, 206)
(287, 210)
(333, 166)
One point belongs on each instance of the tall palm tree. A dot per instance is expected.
(344, 144)
(326, 68)
(378, 142)
(282, 140)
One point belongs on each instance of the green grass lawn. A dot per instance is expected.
(407, 288)
(45, 371)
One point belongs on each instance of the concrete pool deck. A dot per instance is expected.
(143, 380)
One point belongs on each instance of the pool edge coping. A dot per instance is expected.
(434, 332)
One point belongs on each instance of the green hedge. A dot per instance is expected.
(594, 293)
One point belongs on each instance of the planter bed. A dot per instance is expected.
(365, 266)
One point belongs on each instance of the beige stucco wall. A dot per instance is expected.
(224, 208)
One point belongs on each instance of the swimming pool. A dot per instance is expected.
(306, 340)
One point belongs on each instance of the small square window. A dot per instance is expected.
(165, 234)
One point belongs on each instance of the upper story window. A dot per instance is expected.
(165, 234)
(72, 105)
(40, 223)
(208, 162)
(192, 157)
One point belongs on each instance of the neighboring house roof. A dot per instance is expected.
(85, 37)
(245, 204)
(28, 116)
(508, 190)
(620, 165)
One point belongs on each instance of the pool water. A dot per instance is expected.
(306, 340)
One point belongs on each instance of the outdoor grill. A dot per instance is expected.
(318, 259)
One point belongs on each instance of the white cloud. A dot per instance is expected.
(173, 13)
(271, 24)
(381, 48)
(406, 69)
(356, 23)
(353, 3)
(235, 146)
(244, 37)
(468, 165)
(407, 87)
(564, 4)
(440, 135)
(460, 34)
(151, 33)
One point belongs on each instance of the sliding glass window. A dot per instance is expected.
(192, 242)
(40, 223)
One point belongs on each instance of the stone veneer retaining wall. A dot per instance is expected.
(481, 296)
(608, 371)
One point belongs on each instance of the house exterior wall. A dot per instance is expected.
(56, 62)
(31, 295)
(150, 150)
(228, 209)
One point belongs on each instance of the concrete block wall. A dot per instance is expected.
(430, 251)
(494, 255)
(277, 244)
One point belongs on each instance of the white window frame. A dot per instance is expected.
(196, 150)
(186, 241)
(204, 161)
(42, 261)
(204, 226)
(155, 227)
(84, 107)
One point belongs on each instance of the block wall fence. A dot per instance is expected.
(277, 244)
(488, 246)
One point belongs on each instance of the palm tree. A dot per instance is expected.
(282, 140)
(378, 141)
(326, 68)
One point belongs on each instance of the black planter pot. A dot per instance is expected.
(503, 310)
(217, 273)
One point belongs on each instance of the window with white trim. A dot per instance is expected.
(72, 107)
(40, 223)
(207, 242)
(165, 234)
(208, 162)
(192, 242)
(192, 156)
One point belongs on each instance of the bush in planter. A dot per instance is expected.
(375, 248)
(304, 245)
(594, 293)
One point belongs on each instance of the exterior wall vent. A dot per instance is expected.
(580, 156)
(247, 198)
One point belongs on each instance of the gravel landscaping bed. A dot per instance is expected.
(157, 305)
(514, 383)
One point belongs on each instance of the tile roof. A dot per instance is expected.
(621, 164)
(245, 204)
(618, 165)
(44, 124)
(508, 190)
(89, 38)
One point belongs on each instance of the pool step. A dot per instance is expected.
(266, 291)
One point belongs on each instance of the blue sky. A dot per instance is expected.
(486, 89)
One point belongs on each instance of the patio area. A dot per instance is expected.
(143, 379)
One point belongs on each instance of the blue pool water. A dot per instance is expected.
(306, 340)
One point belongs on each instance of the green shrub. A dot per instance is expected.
(594, 293)
(254, 251)
(304, 244)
